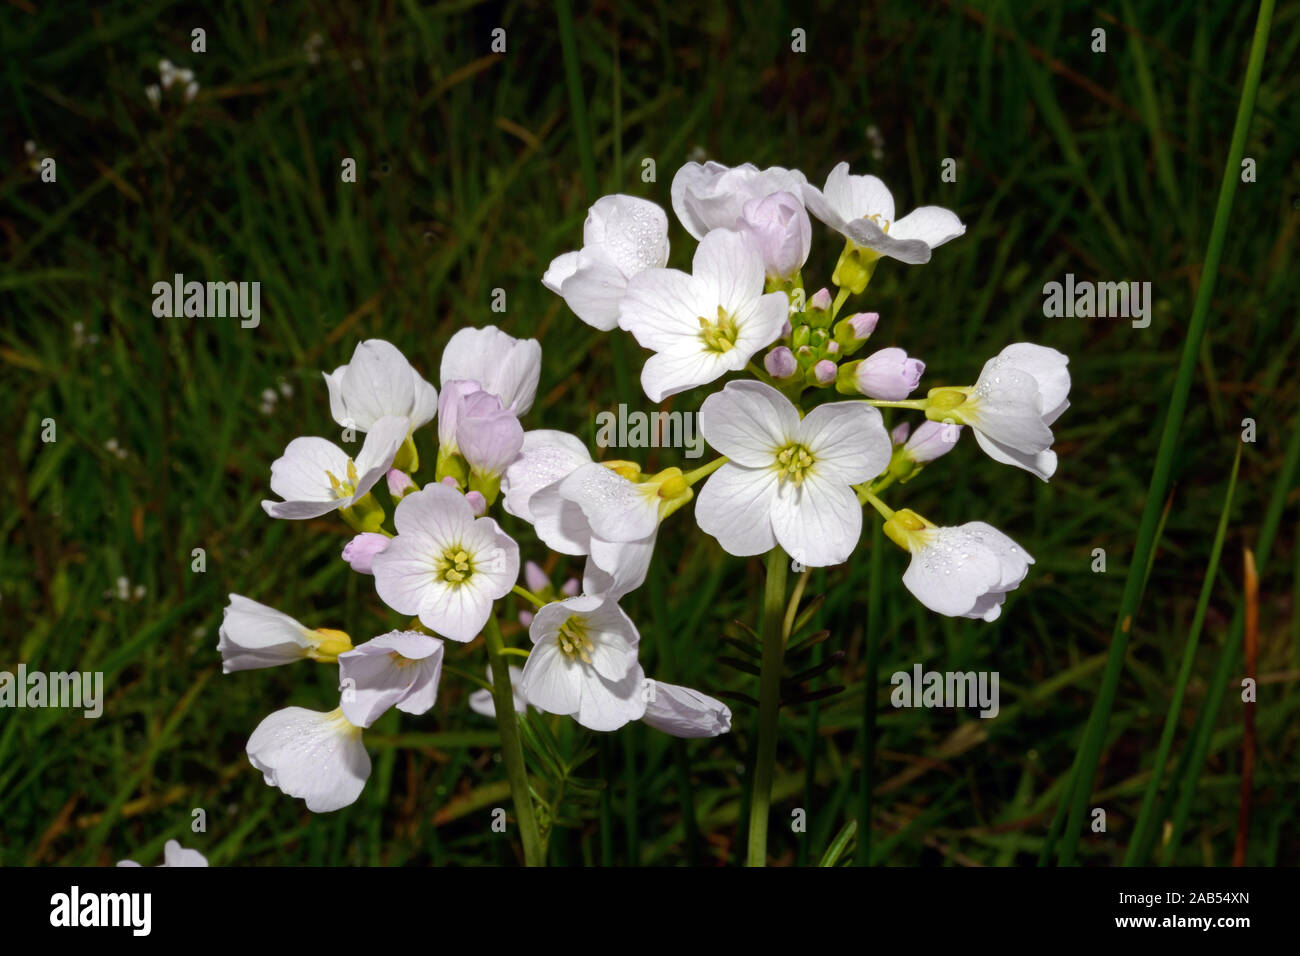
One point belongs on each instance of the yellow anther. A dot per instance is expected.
(720, 335)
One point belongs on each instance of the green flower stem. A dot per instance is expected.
(769, 703)
(1084, 771)
(512, 751)
(691, 477)
(528, 596)
(840, 298)
(920, 404)
(866, 497)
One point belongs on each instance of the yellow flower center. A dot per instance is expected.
(793, 462)
(573, 639)
(454, 566)
(719, 336)
(344, 489)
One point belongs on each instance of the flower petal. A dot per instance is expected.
(749, 422)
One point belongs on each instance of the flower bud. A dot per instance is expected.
(898, 434)
(780, 363)
(932, 440)
(822, 374)
(820, 301)
(571, 587)
(399, 483)
(488, 435)
(852, 332)
(888, 375)
(477, 503)
(361, 550)
(783, 232)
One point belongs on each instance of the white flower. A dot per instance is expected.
(538, 490)
(962, 571)
(713, 196)
(861, 209)
(174, 856)
(788, 481)
(706, 324)
(583, 663)
(315, 476)
(1020, 393)
(445, 565)
(684, 712)
(400, 668)
(503, 365)
(254, 635)
(313, 755)
(482, 701)
(623, 235)
(379, 382)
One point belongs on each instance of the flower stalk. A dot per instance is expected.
(769, 703)
(512, 751)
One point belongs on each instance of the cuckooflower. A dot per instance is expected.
(535, 490)
(501, 364)
(861, 209)
(445, 565)
(962, 571)
(315, 476)
(476, 425)
(379, 382)
(887, 374)
(705, 324)
(683, 712)
(253, 635)
(360, 551)
(623, 235)
(400, 668)
(175, 855)
(583, 663)
(713, 196)
(313, 755)
(788, 481)
(1020, 393)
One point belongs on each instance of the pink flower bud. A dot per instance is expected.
(525, 618)
(898, 434)
(931, 440)
(888, 375)
(535, 578)
(488, 435)
(783, 231)
(864, 323)
(821, 300)
(451, 482)
(361, 550)
(450, 400)
(477, 503)
(570, 587)
(399, 483)
(824, 372)
(780, 362)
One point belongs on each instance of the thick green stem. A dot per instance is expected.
(512, 750)
(769, 704)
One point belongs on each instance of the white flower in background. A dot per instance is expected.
(706, 324)
(482, 701)
(398, 669)
(313, 755)
(684, 712)
(535, 491)
(1020, 393)
(169, 74)
(713, 196)
(962, 571)
(377, 383)
(583, 663)
(501, 364)
(253, 635)
(623, 235)
(174, 856)
(315, 476)
(861, 209)
(788, 481)
(445, 565)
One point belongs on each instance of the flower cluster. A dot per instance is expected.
(801, 440)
